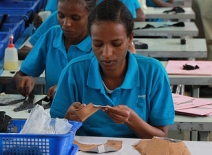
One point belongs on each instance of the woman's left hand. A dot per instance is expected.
(119, 114)
(51, 92)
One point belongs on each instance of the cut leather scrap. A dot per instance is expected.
(27, 104)
(46, 99)
(4, 121)
(9, 99)
(109, 146)
(178, 24)
(159, 145)
(178, 149)
(141, 145)
(190, 67)
(11, 102)
(176, 10)
(86, 111)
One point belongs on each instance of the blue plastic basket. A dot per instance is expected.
(73, 150)
(13, 18)
(20, 12)
(41, 3)
(7, 7)
(13, 28)
(1, 51)
(37, 144)
(4, 40)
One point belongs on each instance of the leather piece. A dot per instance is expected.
(86, 111)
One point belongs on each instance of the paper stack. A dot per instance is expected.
(192, 106)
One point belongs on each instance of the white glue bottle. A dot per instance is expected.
(11, 57)
(143, 4)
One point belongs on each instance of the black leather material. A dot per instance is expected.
(190, 67)
(27, 104)
(178, 24)
(176, 10)
(4, 121)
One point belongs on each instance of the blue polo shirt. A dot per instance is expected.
(145, 89)
(49, 55)
(48, 23)
(132, 5)
(51, 6)
(149, 3)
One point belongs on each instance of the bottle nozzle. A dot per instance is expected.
(11, 41)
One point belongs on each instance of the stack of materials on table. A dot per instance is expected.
(191, 106)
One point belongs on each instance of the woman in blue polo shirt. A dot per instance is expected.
(57, 46)
(160, 3)
(135, 88)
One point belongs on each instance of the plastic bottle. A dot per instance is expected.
(143, 4)
(11, 57)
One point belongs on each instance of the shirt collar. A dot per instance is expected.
(131, 79)
(84, 45)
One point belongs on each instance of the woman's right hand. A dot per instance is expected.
(25, 85)
(37, 21)
(71, 115)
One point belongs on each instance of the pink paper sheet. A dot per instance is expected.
(176, 67)
(197, 111)
(186, 102)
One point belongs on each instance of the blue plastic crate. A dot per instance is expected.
(13, 28)
(41, 3)
(26, 12)
(37, 144)
(73, 150)
(13, 18)
(9, 6)
(4, 40)
(1, 51)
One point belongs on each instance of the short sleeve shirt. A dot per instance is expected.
(49, 55)
(145, 89)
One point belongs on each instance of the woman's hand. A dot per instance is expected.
(51, 92)
(25, 85)
(37, 21)
(70, 114)
(119, 114)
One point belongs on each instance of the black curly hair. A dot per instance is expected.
(112, 10)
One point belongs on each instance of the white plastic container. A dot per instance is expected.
(44, 14)
(11, 57)
(143, 4)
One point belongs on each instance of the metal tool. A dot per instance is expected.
(100, 106)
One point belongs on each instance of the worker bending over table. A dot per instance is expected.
(135, 89)
(57, 47)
